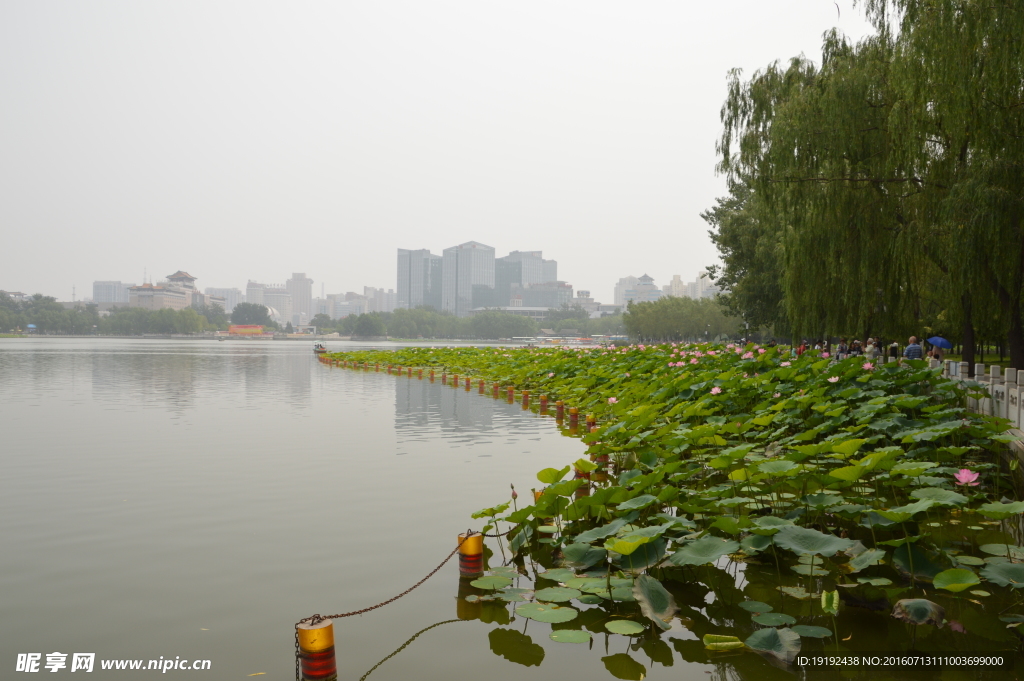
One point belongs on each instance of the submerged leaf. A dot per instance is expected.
(919, 611)
(624, 627)
(955, 580)
(808, 631)
(657, 604)
(806, 540)
(546, 613)
(570, 636)
(719, 643)
(782, 643)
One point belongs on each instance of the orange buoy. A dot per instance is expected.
(444, 378)
(468, 381)
(316, 651)
(431, 374)
(481, 386)
(410, 372)
(494, 392)
(543, 404)
(526, 399)
(574, 416)
(559, 410)
(471, 553)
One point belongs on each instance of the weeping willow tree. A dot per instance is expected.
(891, 175)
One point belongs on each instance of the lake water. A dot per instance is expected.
(195, 499)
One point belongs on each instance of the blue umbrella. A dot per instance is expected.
(940, 342)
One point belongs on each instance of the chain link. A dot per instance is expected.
(318, 618)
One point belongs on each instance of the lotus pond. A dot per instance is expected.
(772, 506)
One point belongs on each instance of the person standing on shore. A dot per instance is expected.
(913, 349)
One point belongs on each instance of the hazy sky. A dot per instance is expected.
(251, 140)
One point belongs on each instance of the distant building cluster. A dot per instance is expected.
(468, 279)
(643, 289)
(463, 280)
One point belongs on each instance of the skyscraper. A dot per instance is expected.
(231, 296)
(549, 270)
(419, 279)
(110, 292)
(468, 269)
(254, 293)
(301, 289)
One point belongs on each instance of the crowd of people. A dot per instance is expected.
(871, 349)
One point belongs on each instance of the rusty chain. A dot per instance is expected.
(317, 618)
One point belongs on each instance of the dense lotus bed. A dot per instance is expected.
(737, 499)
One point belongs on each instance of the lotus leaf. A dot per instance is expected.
(955, 580)
(705, 550)
(776, 467)
(1008, 550)
(919, 611)
(944, 497)
(557, 594)
(769, 524)
(644, 556)
(808, 631)
(491, 582)
(642, 501)
(866, 559)
(1005, 574)
(972, 560)
(873, 581)
(624, 627)
(589, 599)
(848, 473)
(657, 604)
(582, 555)
(830, 602)
(546, 613)
(550, 476)
(797, 592)
(822, 500)
(998, 511)
(755, 606)
(558, 575)
(902, 514)
(912, 468)
(773, 619)
(718, 643)
(806, 540)
(602, 532)
(755, 543)
(570, 636)
(782, 643)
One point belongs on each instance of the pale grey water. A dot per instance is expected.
(195, 499)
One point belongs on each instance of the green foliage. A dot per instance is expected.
(675, 319)
(251, 313)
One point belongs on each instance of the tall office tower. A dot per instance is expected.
(551, 295)
(468, 273)
(512, 274)
(110, 292)
(549, 270)
(532, 270)
(254, 293)
(624, 284)
(279, 300)
(419, 279)
(301, 289)
(231, 296)
(676, 288)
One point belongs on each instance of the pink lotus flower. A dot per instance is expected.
(966, 476)
(748, 355)
(785, 364)
(760, 351)
(777, 395)
(868, 366)
(716, 390)
(627, 375)
(825, 354)
(612, 400)
(693, 360)
(551, 375)
(833, 379)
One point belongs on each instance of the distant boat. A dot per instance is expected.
(319, 348)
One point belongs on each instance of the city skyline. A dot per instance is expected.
(351, 127)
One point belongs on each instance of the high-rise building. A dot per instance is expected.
(620, 289)
(676, 288)
(379, 299)
(231, 296)
(644, 291)
(301, 289)
(254, 293)
(279, 300)
(550, 294)
(419, 279)
(110, 292)
(549, 270)
(468, 273)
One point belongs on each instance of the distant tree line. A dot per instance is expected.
(680, 319)
(426, 322)
(50, 317)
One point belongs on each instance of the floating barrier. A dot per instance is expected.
(526, 399)
(316, 651)
(471, 553)
(560, 410)
(543, 404)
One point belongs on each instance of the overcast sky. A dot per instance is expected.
(251, 140)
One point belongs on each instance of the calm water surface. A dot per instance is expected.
(195, 499)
